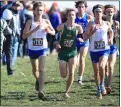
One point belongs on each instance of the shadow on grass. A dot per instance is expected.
(55, 96)
(45, 98)
(50, 82)
(33, 97)
(24, 82)
(109, 104)
(52, 98)
(86, 81)
(14, 95)
(114, 94)
(60, 92)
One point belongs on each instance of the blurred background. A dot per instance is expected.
(71, 4)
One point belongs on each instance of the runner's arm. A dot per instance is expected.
(110, 31)
(50, 29)
(59, 30)
(60, 27)
(27, 32)
(80, 32)
(89, 32)
(110, 34)
(118, 28)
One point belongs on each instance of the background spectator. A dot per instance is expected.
(55, 19)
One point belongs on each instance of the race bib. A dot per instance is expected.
(37, 41)
(99, 45)
(68, 43)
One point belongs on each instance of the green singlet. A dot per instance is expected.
(68, 44)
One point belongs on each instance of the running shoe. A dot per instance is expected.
(109, 90)
(80, 82)
(40, 95)
(103, 90)
(99, 95)
(66, 95)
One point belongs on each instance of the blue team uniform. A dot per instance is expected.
(83, 22)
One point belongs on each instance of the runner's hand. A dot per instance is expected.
(58, 47)
(47, 30)
(110, 42)
(80, 39)
(95, 29)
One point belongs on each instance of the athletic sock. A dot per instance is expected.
(98, 90)
(102, 87)
(98, 87)
(80, 78)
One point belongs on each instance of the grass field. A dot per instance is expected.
(19, 90)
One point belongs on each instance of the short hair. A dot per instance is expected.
(36, 4)
(16, 3)
(69, 10)
(109, 6)
(80, 2)
(98, 6)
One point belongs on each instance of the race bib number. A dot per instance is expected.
(68, 43)
(99, 45)
(37, 41)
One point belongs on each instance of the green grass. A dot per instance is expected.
(24, 81)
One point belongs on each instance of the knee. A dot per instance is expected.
(63, 71)
(102, 67)
(96, 72)
(111, 67)
(63, 75)
(71, 74)
(83, 57)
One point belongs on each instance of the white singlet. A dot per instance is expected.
(99, 40)
(37, 41)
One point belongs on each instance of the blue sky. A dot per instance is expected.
(71, 4)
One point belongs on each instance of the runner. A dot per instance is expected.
(110, 11)
(67, 48)
(82, 18)
(35, 31)
(99, 46)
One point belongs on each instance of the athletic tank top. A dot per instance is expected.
(82, 21)
(99, 40)
(68, 39)
(114, 30)
(37, 40)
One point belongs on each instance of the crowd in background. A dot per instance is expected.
(13, 17)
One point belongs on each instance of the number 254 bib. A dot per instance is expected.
(99, 44)
(37, 41)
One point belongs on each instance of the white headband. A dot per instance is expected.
(97, 9)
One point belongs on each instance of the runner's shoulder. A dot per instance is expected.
(60, 27)
(107, 22)
(117, 23)
(29, 22)
(90, 17)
